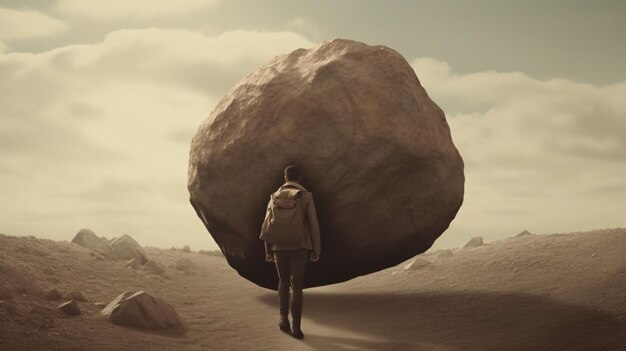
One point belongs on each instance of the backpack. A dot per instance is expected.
(285, 223)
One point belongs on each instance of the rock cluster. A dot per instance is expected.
(87, 238)
(375, 151)
(124, 247)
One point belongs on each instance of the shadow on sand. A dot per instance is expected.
(457, 321)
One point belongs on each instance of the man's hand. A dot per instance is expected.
(269, 258)
(314, 257)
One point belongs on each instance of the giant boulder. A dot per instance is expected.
(374, 149)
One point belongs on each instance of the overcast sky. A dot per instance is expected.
(99, 100)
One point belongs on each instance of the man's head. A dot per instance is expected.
(292, 174)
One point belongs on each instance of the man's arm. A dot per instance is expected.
(314, 227)
(268, 247)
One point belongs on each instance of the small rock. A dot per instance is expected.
(100, 304)
(523, 233)
(127, 248)
(186, 249)
(515, 270)
(141, 310)
(188, 303)
(154, 267)
(53, 295)
(75, 295)
(417, 263)
(474, 242)
(594, 255)
(70, 308)
(445, 253)
(184, 264)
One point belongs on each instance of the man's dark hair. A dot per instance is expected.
(292, 173)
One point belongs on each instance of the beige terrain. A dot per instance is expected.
(532, 292)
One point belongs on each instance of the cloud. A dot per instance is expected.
(100, 133)
(20, 25)
(545, 151)
(141, 9)
(304, 26)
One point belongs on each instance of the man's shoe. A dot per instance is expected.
(284, 326)
(297, 334)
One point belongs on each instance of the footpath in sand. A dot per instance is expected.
(533, 292)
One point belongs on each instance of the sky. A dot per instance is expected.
(99, 101)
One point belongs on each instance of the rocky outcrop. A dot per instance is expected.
(374, 149)
(127, 248)
(87, 238)
(141, 310)
(523, 233)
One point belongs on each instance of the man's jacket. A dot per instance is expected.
(311, 235)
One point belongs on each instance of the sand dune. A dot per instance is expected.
(534, 292)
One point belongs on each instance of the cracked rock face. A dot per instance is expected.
(374, 149)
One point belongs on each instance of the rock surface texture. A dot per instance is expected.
(141, 310)
(374, 149)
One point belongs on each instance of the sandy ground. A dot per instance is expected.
(536, 292)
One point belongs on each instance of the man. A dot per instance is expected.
(291, 259)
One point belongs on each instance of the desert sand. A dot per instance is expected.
(532, 292)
